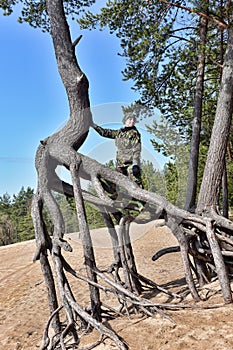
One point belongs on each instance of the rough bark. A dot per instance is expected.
(225, 205)
(197, 117)
(127, 257)
(89, 258)
(219, 262)
(209, 191)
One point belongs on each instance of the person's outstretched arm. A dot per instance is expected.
(109, 133)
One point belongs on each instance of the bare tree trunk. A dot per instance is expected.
(209, 192)
(225, 206)
(194, 151)
(57, 148)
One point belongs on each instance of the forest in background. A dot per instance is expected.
(15, 212)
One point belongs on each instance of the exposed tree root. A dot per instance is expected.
(200, 238)
(205, 239)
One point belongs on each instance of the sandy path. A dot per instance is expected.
(23, 300)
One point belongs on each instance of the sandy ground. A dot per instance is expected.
(24, 311)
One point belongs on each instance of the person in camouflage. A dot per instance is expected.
(128, 143)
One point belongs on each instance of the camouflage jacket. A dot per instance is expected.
(128, 143)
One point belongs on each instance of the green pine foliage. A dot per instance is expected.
(153, 179)
(67, 206)
(171, 178)
(16, 224)
(15, 213)
(15, 217)
(160, 44)
(94, 217)
(34, 12)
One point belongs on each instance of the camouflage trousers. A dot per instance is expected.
(128, 171)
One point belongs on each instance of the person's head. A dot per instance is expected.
(129, 120)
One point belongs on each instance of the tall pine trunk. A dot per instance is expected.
(212, 177)
(196, 130)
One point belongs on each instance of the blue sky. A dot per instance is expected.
(33, 100)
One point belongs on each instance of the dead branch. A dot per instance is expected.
(46, 339)
(165, 251)
(127, 295)
(98, 325)
(77, 40)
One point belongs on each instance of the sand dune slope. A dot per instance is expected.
(23, 299)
